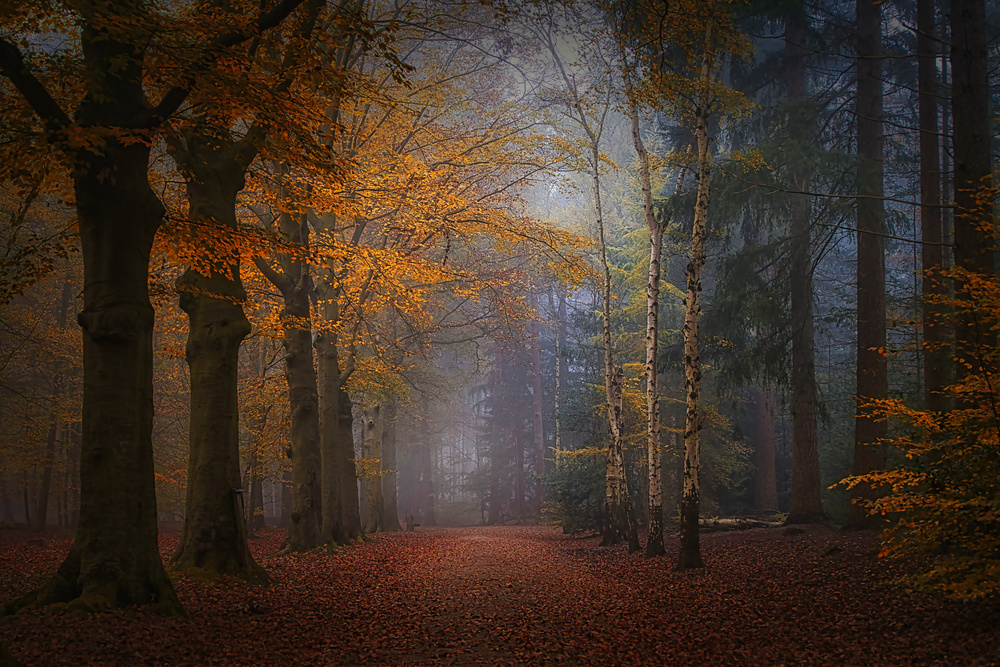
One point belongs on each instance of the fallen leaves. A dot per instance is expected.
(521, 596)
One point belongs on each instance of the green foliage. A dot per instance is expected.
(574, 490)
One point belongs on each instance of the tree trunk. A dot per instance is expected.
(214, 535)
(372, 453)
(936, 326)
(766, 483)
(45, 487)
(690, 548)
(619, 524)
(807, 501)
(872, 379)
(520, 508)
(974, 242)
(115, 557)
(341, 510)
(390, 511)
(536, 417)
(654, 509)
(428, 513)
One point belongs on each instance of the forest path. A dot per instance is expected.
(520, 596)
(501, 595)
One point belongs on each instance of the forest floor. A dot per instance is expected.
(521, 596)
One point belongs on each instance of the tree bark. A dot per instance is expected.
(807, 502)
(870, 425)
(974, 242)
(935, 326)
(372, 452)
(214, 538)
(536, 416)
(390, 513)
(115, 557)
(45, 486)
(654, 509)
(766, 483)
(690, 548)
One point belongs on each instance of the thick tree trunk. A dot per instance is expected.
(214, 535)
(372, 453)
(115, 558)
(390, 513)
(872, 378)
(341, 509)
(974, 242)
(428, 510)
(520, 477)
(562, 368)
(936, 327)
(766, 483)
(306, 517)
(807, 502)
(690, 548)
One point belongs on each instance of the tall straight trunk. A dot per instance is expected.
(214, 535)
(425, 461)
(45, 486)
(341, 508)
(520, 479)
(807, 502)
(562, 368)
(935, 326)
(872, 376)
(619, 524)
(285, 518)
(766, 483)
(690, 548)
(536, 416)
(654, 508)
(971, 115)
(390, 512)
(372, 453)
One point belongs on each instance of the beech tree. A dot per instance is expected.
(105, 137)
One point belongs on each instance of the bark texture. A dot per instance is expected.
(935, 327)
(390, 513)
(214, 538)
(372, 452)
(872, 372)
(807, 503)
(690, 548)
(766, 483)
(974, 243)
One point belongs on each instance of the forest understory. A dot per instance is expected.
(521, 596)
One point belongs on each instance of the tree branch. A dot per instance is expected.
(13, 67)
(173, 99)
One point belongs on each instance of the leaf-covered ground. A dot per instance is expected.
(522, 595)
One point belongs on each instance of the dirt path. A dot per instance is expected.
(523, 596)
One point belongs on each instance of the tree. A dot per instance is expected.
(872, 379)
(106, 140)
(807, 503)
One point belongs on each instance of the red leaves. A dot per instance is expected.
(506, 596)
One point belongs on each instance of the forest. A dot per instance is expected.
(420, 332)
